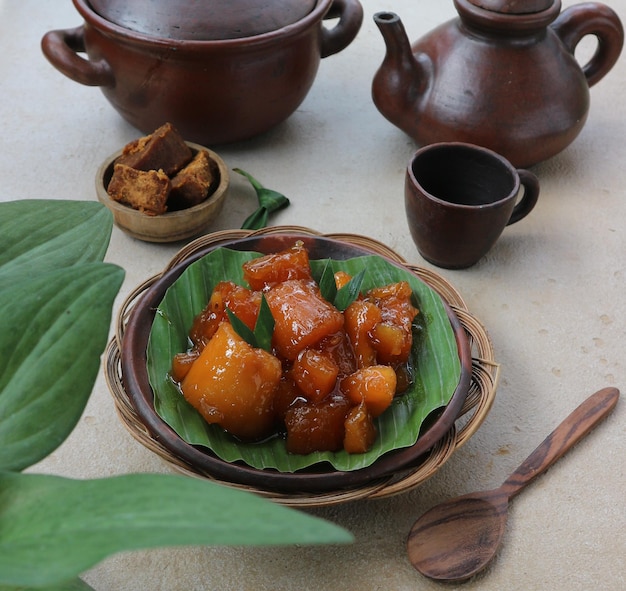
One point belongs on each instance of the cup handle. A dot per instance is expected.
(529, 199)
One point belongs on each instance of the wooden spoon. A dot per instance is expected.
(456, 539)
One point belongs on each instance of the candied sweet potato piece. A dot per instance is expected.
(400, 291)
(338, 346)
(342, 278)
(317, 426)
(389, 341)
(181, 364)
(302, 316)
(374, 385)
(287, 395)
(233, 384)
(397, 310)
(404, 378)
(360, 318)
(240, 300)
(291, 263)
(360, 430)
(315, 373)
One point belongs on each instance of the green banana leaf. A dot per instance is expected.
(434, 359)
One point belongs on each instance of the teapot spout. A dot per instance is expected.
(402, 78)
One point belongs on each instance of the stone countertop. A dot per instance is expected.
(550, 293)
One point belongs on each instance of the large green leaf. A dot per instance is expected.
(53, 329)
(435, 363)
(54, 527)
(56, 301)
(38, 234)
(72, 585)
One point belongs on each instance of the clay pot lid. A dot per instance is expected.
(513, 6)
(203, 21)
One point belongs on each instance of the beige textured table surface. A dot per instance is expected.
(551, 294)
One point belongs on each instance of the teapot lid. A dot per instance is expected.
(201, 20)
(513, 6)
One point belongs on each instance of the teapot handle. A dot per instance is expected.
(592, 18)
(350, 14)
(62, 47)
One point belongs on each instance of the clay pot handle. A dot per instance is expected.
(350, 14)
(61, 48)
(529, 199)
(592, 18)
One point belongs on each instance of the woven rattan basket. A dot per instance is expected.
(483, 384)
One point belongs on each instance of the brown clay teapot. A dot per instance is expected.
(220, 71)
(502, 75)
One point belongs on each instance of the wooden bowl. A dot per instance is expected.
(128, 380)
(171, 226)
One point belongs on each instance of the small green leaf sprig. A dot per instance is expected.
(269, 201)
(261, 336)
(341, 298)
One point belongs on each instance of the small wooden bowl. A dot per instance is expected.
(172, 226)
(443, 432)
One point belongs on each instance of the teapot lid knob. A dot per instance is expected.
(513, 6)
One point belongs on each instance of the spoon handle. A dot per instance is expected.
(566, 435)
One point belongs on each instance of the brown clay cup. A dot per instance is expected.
(459, 197)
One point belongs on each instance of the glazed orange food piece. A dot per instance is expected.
(302, 316)
(317, 426)
(292, 263)
(315, 373)
(360, 432)
(328, 374)
(361, 319)
(374, 386)
(233, 384)
(243, 302)
(393, 337)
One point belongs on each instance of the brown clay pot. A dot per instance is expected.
(501, 75)
(216, 79)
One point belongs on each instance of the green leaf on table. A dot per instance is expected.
(38, 234)
(269, 201)
(87, 520)
(56, 300)
(434, 363)
(53, 329)
(75, 584)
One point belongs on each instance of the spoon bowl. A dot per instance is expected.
(458, 538)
